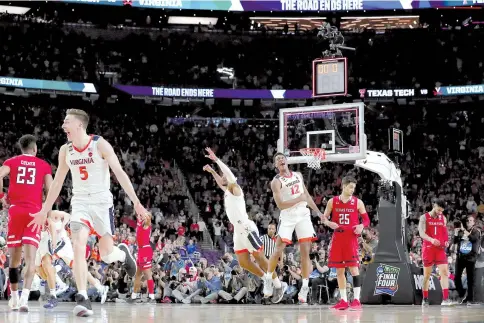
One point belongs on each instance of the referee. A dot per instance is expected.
(269, 240)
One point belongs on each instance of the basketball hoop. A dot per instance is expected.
(315, 156)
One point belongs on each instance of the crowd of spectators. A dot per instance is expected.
(443, 149)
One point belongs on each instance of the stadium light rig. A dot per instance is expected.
(336, 41)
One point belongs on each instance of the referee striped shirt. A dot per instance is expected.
(269, 245)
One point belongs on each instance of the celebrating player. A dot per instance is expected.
(432, 228)
(56, 244)
(246, 234)
(28, 176)
(145, 257)
(344, 211)
(292, 198)
(89, 158)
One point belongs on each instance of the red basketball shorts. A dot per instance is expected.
(19, 233)
(433, 256)
(145, 257)
(344, 251)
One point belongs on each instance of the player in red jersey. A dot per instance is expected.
(432, 228)
(145, 257)
(344, 211)
(29, 175)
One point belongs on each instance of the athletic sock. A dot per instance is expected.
(52, 293)
(342, 292)
(305, 282)
(99, 287)
(25, 294)
(356, 292)
(276, 282)
(134, 295)
(445, 293)
(151, 286)
(14, 294)
(83, 293)
(425, 294)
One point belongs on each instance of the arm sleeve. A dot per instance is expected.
(365, 219)
(227, 172)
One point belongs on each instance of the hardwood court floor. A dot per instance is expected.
(178, 313)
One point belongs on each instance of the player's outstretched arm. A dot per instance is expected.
(327, 215)
(53, 192)
(276, 193)
(4, 171)
(107, 152)
(231, 179)
(422, 227)
(216, 177)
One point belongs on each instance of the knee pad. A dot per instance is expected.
(356, 281)
(13, 275)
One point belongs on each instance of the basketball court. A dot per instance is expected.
(124, 313)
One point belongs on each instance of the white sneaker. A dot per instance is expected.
(23, 305)
(268, 286)
(104, 294)
(61, 289)
(447, 302)
(303, 295)
(13, 304)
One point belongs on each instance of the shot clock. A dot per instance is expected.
(330, 77)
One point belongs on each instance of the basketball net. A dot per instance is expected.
(315, 156)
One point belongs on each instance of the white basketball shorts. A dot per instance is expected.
(296, 218)
(63, 250)
(247, 240)
(98, 217)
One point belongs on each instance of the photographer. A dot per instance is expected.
(317, 277)
(234, 288)
(170, 284)
(467, 243)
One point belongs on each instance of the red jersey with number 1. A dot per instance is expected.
(345, 214)
(436, 229)
(142, 234)
(27, 175)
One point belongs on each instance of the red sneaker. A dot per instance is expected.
(166, 300)
(355, 305)
(341, 305)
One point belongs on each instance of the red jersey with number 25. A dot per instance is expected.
(27, 175)
(345, 214)
(436, 229)
(142, 234)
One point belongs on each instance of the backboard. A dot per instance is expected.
(338, 128)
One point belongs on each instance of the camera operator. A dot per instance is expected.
(467, 242)
(234, 287)
(171, 283)
(317, 277)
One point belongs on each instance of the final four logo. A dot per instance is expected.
(386, 280)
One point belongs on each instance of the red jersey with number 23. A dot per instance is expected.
(345, 214)
(27, 175)
(436, 229)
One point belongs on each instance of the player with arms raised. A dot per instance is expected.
(292, 198)
(29, 175)
(344, 211)
(145, 257)
(432, 228)
(246, 234)
(89, 158)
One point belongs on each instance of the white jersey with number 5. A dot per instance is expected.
(91, 178)
(292, 187)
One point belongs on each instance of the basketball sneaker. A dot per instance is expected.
(303, 295)
(268, 286)
(104, 294)
(23, 305)
(425, 302)
(447, 302)
(83, 307)
(355, 305)
(279, 293)
(13, 304)
(51, 303)
(341, 305)
(129, 262)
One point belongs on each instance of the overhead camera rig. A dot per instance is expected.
(336, 41)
